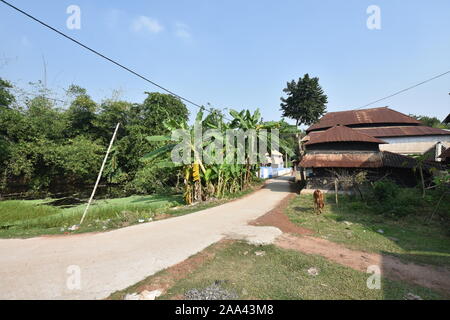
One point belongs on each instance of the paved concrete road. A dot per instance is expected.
(40, 268)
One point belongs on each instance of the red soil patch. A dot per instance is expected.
(437, 278)
(277, 218)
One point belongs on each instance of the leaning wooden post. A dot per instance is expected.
(100, 173)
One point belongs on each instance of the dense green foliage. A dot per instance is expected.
(6, 98)
(305, 102)
(46, 146)
(388, 198)
(385, 190)
(52, 146)
(431, 122)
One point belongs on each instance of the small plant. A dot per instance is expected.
(385, 190)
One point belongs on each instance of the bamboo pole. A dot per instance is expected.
(100, 173)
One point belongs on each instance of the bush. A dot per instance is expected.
(389, 199)
(151, 179)
(385, 190)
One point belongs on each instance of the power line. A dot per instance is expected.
(401, 91)
(169, 91)
(104, 56)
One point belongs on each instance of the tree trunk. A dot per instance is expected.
(423, 181)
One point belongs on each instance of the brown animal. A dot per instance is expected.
(319, 204)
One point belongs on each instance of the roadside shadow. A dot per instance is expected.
(279, 184)
(398, 267)
(304, 210)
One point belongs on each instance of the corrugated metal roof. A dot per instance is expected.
(341, 134)
(395, 131)
(366, 116)
(403, 131)
(362, 160)
(342, 160)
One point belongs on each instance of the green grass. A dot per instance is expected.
(407, 237)
(282, 274)
(30, 218)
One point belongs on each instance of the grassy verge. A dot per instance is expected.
(279, 274)
(26, 219)
(354, 224)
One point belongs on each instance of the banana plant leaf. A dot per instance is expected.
(167, 164)
(156, 153)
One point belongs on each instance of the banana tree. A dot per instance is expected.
(192, 172)
(246, 121)
(203, 181)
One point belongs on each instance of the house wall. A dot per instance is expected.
(270, 172)
(277, 159)
(413, 145)
(323, 178)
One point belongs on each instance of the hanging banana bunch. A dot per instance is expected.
(188, 186)
(196, 172)
(197, 182)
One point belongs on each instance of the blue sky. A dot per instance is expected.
(238, 54)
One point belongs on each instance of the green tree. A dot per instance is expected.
(81, 113)
(6, 97)
(157, 108)
(44, 120)
(289, 137)
(214, 118)
(147, 119)
(110, 113)
(431, 121)
(305, 102)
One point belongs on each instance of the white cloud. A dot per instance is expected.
(182, 31)
(144, 23)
